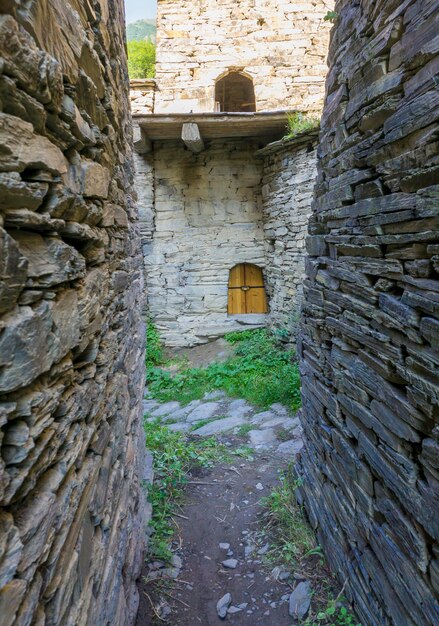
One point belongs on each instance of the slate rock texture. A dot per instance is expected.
(71, 339)
(369, 345)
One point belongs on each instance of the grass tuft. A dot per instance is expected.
(292, 537)
(174, 456)
(260, 371)
(298, 123)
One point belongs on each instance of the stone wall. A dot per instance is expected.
(202, 214)
(71, 341)
(280, 44)
(369, 349)
(287, 190)
(207, 217)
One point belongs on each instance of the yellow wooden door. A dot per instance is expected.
(246, 290)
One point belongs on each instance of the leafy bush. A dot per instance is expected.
(260, 371)
(141, 59)
(298, 123)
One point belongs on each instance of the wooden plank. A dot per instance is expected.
(256, 300)
(253, 276)
(237, 301)
(190, 133)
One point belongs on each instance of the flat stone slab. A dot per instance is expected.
(300, 601)
(149, 405)
(166, 409)
(182, 413)
(203, 412)
(219, 426)
(261, 418)
(180, 427)
(293, 446)
(262, 438)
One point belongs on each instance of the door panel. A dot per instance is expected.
(246, 290)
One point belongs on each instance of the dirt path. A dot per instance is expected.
(220, 543)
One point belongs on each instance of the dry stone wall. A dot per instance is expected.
(369, 348)
(280, 44)
(287, 191)
(71, 340)
(207, 217)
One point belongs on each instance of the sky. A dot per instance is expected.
(140, 9)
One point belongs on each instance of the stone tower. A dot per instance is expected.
(279, 46)
(215, 204)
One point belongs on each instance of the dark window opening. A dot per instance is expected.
(235, 93)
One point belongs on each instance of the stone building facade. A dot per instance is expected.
(216, 200)
(71, 339)
(281, 45)
(369, 346)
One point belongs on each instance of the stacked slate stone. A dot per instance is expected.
(70, 339)
(369, 348)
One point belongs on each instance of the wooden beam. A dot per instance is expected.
(142, 145)
(190, 133)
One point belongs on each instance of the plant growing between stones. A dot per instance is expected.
(331, 16)
(261, 371)
(298, 123)
(292, 538)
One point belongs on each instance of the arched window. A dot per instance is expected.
(246, 290)
(235, 93)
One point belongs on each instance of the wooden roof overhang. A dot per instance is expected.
(194, 128)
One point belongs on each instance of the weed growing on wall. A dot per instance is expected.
(298, 123)
(293, 546)
(261, 371)
(291, 534)
(174, 456)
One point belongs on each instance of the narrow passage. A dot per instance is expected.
(241, 550)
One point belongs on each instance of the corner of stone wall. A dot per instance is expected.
(72, 520)
(289, 171)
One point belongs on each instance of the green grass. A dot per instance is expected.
(260, 370)
(293, 545)
(298, 123)
(244, 430)
(334, 614)
(292, 537)
(174, 455)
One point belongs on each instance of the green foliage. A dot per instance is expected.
(298, 123)
(331, 16)
(141, 29)
(154, 350)
(260, 371)
(333, 615)
(293, 538)
(141, 59)
(174, 455)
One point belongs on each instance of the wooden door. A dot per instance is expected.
(246, 290)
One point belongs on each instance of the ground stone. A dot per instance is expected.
(293, 446)
(203, 412)
(166, 409)
(230, 563)
(223, 604)
(219, 426)
(300, 601)
(262, 438)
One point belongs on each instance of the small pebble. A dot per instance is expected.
(259, 486)
(230, 563)
(224, 546)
